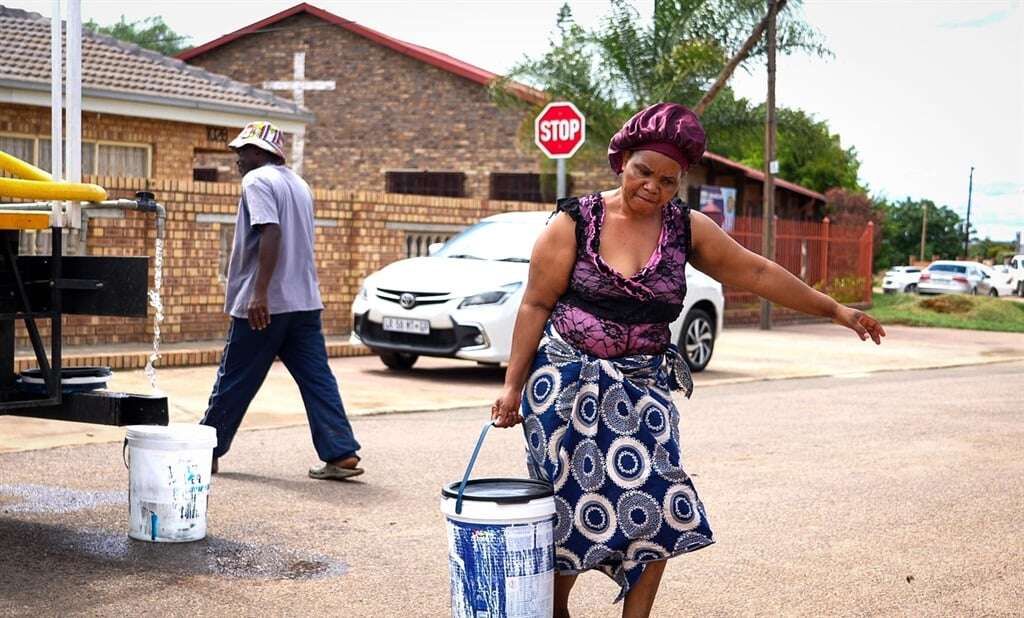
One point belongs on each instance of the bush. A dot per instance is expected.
(948, 304)
(844, 289)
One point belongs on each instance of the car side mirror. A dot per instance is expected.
(434, 247)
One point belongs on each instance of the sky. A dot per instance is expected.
(923, 89)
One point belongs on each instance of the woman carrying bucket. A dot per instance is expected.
(592, 367)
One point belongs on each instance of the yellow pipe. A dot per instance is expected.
(62, 191)
(21, 169)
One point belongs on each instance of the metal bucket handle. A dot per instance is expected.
(469, 468)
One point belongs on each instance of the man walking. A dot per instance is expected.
(273, 298)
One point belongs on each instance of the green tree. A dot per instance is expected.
(809, 153)
(988, 249)
(901, 232)
(628, 63)
(150, 33)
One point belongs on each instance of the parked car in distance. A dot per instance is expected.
(1017, 270)
(997, 281)
(901, 279)
(950, 277)
(462, 300)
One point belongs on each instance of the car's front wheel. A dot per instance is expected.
(993, 292)
(697, 339)
(399, 361)
(911, 289)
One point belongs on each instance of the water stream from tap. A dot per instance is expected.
(157, 304)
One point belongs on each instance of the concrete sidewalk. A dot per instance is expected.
(741, 355)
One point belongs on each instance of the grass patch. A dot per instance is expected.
(950, 311)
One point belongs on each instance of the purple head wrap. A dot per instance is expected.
(666, 128)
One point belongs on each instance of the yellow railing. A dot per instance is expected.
(35, 184)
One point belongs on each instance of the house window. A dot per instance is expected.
(98, 158)
(417, 244)
(120, 160)
(20, 147)
(526, 187)
(204, 174)
(448, 184)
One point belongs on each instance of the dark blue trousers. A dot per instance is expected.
(297, 339)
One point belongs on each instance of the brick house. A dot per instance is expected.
(144, 115)
(397, 117)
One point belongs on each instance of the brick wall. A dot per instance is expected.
(388, 112)
(352, 241)
(355, 236)
(173, 143)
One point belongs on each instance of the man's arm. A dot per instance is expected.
(270, 244)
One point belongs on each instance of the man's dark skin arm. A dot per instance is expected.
(270, 244)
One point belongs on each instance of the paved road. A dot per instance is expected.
(890, 494)
(741, 355)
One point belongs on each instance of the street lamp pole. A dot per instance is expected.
(967, 225)
(770, 165)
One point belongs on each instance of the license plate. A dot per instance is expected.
(407, 325)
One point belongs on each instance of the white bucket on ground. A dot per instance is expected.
(169, 481)
(500, 548)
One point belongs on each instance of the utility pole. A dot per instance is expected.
(967, 225)
(924, 230)
(735, 61)
(771, 166)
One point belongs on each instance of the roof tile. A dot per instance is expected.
(119, 67)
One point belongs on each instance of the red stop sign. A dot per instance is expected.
(559, 130)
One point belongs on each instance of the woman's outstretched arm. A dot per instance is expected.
(715, 253)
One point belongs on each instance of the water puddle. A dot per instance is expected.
(47, 499)
(211, 556)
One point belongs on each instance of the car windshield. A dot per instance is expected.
(508, 241)
(947, 268)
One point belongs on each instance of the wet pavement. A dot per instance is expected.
(883, 494)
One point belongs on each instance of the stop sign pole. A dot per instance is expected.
(559, 131)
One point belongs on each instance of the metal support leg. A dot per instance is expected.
(6, 358)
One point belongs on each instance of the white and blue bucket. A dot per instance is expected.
(501, 551)
(169, 469)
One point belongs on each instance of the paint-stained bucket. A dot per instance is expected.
(169, 481)
(501, 550)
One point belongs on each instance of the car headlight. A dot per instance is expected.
(364, 292)
(493, 297)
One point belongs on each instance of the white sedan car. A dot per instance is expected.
(461, 301)
(950, 277)
(901, 279)
(996, 281)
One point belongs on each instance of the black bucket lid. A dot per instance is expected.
(71, 372)
(500, 490)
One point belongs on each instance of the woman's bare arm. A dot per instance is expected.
(719, 256)
(551, 264)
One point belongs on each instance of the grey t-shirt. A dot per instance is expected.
(274, 194)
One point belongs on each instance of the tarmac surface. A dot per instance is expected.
(841, 478)
(884, 494)
(367, 387)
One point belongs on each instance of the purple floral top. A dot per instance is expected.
(608, 315)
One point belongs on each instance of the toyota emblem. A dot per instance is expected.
(407, 300)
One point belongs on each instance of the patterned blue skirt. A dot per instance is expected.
(605, 434)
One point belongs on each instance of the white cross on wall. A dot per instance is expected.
(299, 86)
